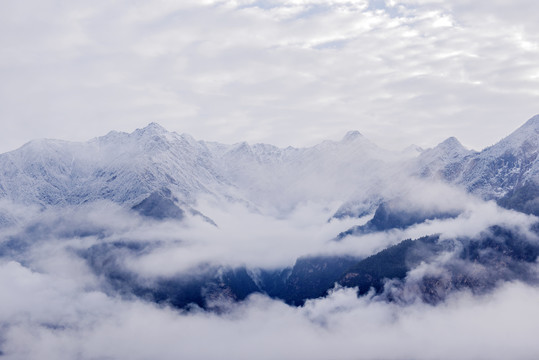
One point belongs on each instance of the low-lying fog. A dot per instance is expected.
(54, 306)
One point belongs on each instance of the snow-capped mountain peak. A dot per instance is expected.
(449, 150)
(451, 142)
(152, 128)
(507, 171)
(352, 136)
(452, 148)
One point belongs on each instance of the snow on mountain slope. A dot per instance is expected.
(444, 161)
(120, 167)
(507, 171)
(127, 168)
(332, 170)
(148, 159)
(507, 165)
(44, 171)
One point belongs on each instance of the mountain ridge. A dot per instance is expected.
(495, 172)
(128, 167)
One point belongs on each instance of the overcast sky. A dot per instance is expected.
(282, 72)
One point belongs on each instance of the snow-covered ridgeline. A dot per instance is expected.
(127, 167)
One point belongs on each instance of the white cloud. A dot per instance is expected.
(53, 306)
(341, 326)
(284, 72)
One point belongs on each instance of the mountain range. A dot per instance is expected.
(127, 168)
(162, 176)
(507, 171)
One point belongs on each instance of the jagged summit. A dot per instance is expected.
(351, 136)
(118, 137)
(451, 142)
(450, 148)
(153, 131)
(153, 128)
(442, 161)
